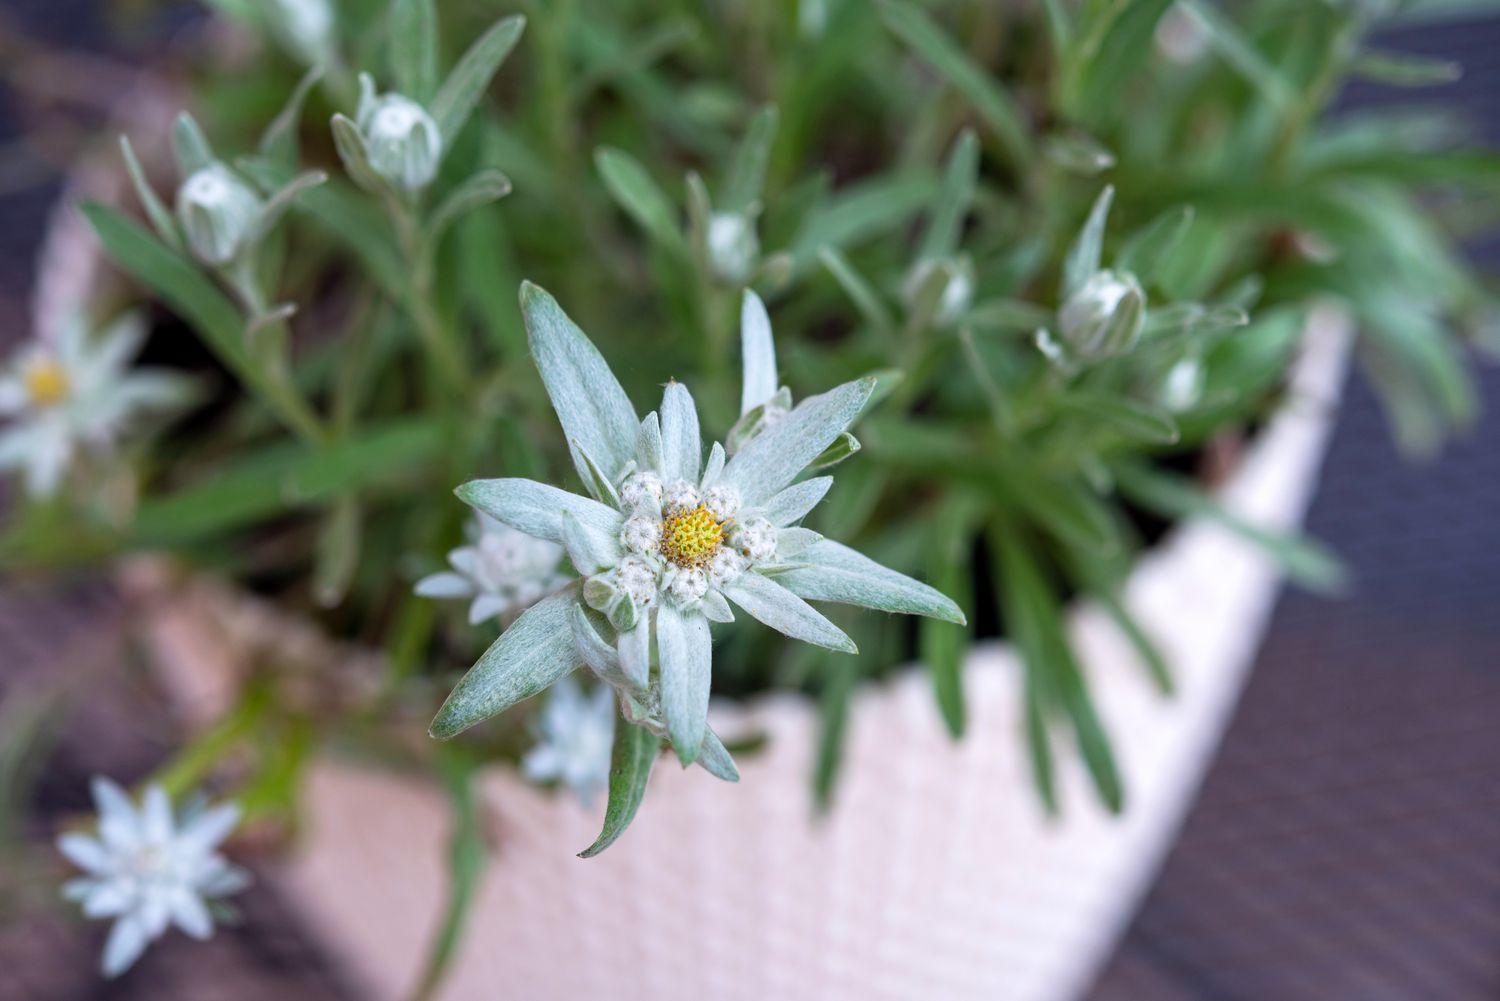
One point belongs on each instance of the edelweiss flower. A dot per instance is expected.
(577, 732)
(74, 392)
(402, 140)
(667, 541)
(147, 871)
(503, 570)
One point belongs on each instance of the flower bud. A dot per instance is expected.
(1182, 387)
(218, 213)
(306, 26)
(402, 141)
(957, 277)
(1104, 318)
(732, 245)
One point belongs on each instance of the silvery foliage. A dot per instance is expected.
(667, 541)
(576, 734)
(1103, 310)
(149, 870)
(62, 395)
(306, 27)
(501, 570)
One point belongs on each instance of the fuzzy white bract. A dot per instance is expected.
(668, 541)
(149, 870)
(733, 246)
(576, 732)
(502, 571)
(72, 393)
(402, 141)
(1104, 317)
(219, 214)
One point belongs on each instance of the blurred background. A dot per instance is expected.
(1346, 844)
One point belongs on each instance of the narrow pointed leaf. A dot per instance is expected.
(456, 99)
(946, 224)
(635, 752)
(777, 607)
(773, 458)
(414, 48)
(757, 354)
(160, 216)
(634, 191)
(1083, 257)
(838, 573)
(682, 445)
(747, 175)
(537, 509)
(535, 651)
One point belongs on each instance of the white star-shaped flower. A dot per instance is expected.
(148, 870)
(576, 733)
(504, 571)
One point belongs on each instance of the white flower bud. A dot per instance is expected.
(680, 496)
(641, 534)
(756, 539)
(723, 502)
(732, 245)
(1183, 386)
(1104, 317)
(218, 213)
(725, 566)
(637, 578)
(687, 584)
(641, 490)
(958, 289)
(305, 25)
(402, 141)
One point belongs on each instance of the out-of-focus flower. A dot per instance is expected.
(306, 26)
(74, 392)
(219, 214)
(504, 571)
(1104, 317)
(732, 245)
(577, 732)
(1182, 387)
(148, 870)
(1180, 37)
(402, 142)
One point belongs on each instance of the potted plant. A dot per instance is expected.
(1034, 351)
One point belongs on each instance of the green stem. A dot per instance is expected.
(265, 355)
(436, 336)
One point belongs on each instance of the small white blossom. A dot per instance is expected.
(577, 734)
(149, 870)
(306, 26)
(642, 489)
(1183, 386)
(72, 393)
(756, 539)
(680, 496)
(722, 501)
(958, 287)
(219, 213)
(641, 534)
(638, 579)
(1104, 317)
(732, 245)
(688, 584)
(402, 140)
(504, 571)
(725, 566)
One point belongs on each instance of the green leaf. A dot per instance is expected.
(283, 477)
(483, 188)
(945, 225)
(414, 48)
(1083, 256)
(1116, 43)
(161, 218)
(1127, 418)
(338, 552)
(747, 173)
(859, 212)
(840, 681)
(1402, 69)
(934, 47)
(279, 141)
(635, 752)
(864, 297)
(1304, 561)
(350, 144)
(534, 652)
(1035, 622)
(944, 644)
(634, 191)
(1240, 53)
(467, 858)
(190, 148)
(1148, 249)
(461, 92)
(195, 298)
(1078, 153)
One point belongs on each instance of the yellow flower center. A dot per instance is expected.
(46, 383)
(689, 539)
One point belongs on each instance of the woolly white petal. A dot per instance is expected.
(686, 653)
(783, 611)
(209, 828)
(127, 940)
(840, 574)
(773, 458)
(84, 852)
(682, 445)
(758, 354)
(536, 509)
(444, 584)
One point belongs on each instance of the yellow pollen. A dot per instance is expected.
(689, 539)
(46, 383)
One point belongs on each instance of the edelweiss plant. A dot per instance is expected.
(149, 870)
(666, 540)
